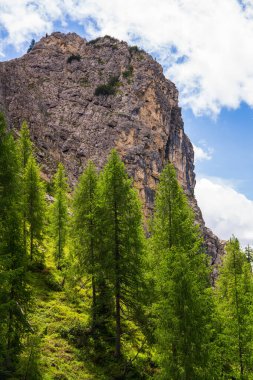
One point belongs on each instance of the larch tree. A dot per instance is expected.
(249, 255)
(25, 150)
(25, 145)
(14, 295)
(59, 215)
(34, 204)
(85, 230)
(234, 290)
(183, 294)
(121, 242)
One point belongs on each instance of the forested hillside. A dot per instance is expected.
(91, 289)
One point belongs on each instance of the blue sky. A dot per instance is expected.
(230, 140)
(204, 51)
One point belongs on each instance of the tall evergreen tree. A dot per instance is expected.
(184, 303)
(249, 255)
(235, 309)
(60, 215)
(34, 203)
(14, 296)
(121, 241)
(25, 144)
(85, 230)
(25, 151)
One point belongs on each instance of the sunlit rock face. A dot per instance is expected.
(53, 87)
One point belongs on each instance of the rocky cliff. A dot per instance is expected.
(83, 98)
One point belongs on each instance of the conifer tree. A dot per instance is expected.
(121, 245)
(34, 204)
(234, 290)
(60, 215)
(85, 230)
(25, 151)
(14, 296)
(249, 255)
(25, 145)
(184, 303)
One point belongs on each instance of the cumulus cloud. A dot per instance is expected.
(204, 46)
(225, 210)
(200, 154)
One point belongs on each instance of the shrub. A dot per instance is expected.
(36, 266)
(92, 42)
(128, 73)
(31, 46)
(77, 334)
(73, 57)
(52, 283)
(134, 49)
(109, 88)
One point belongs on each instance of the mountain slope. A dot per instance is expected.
(57, 89)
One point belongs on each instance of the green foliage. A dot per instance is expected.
(85, 230)
(135, 49)
(128, 73)
(34, 205)
(121, 243)
(31, 46)
(249, 255)
(24, 144)
(74, 57)
(59, 215)
(14, 295)
(108, 89)
(113, 312)
(234, 304)
(93, 42)
(25, 150)
(182, 289)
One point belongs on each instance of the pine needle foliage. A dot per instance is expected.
(121, 243)
(184, 303)
(34, 205)
(235, 310)
(85, 231)
(14, 295)
(59, 215)
(25, 150)
(25, 144)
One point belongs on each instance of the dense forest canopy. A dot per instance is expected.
(91, 290)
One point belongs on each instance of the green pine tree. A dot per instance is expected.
(34, 204)
(14, 296)
(183, 294)
(25, 145)
(234, 291)
(85, 231)
(249, 255)
(121, 247)
(59, 213)
(25, 151)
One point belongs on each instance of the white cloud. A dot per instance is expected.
(225, 210)
(200, 154)
(205, 46)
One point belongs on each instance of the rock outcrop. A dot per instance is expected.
(55, 87)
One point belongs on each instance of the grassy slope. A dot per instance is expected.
(53, 355)
(54, 313)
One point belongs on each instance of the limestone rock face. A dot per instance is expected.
(69, 123)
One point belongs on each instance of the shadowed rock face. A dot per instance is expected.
(69, 123)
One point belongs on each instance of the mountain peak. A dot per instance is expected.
(82, 98)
